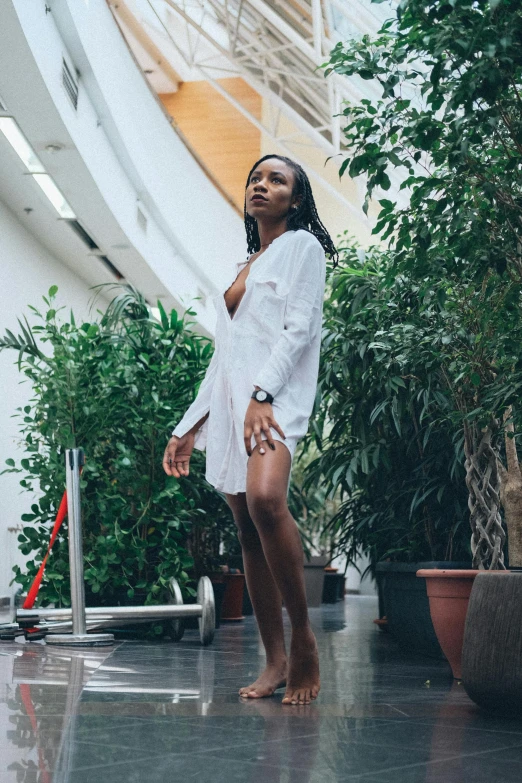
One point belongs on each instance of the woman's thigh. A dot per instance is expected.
(238, 506)
(267, 479)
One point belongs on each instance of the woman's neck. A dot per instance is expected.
(267, 234)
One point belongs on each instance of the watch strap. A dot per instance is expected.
(269, 398)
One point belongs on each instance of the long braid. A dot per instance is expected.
(305, 216)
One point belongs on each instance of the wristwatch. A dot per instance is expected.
(262, 396)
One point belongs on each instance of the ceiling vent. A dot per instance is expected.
(83, 235)
(110, 266)
(93, 247)
(142, 220)
(70, 84)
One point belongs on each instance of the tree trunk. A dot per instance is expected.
(483, 483)
(511, 493)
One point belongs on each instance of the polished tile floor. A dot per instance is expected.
(145, 712)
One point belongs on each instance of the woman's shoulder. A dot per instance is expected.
(305, 239)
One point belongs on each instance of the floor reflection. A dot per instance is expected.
(150, 712)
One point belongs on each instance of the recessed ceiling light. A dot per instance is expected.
(15, 137)
(21, 146)
(54, 195)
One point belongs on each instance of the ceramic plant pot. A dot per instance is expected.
(492, 650)
(403, 600)
(448, 594)
(314, 579)
(330, 586)
(232, 606)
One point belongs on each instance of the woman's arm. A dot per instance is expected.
(197, 413)
(302, 308)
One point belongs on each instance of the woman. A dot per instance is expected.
(260, 386)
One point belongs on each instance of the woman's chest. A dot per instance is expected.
(235, 292)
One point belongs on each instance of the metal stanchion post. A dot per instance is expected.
(74, 459)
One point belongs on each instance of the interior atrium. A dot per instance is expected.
(129, 134)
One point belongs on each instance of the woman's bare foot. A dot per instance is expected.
(303, 672)
(272, 678)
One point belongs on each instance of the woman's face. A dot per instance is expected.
(271, 182)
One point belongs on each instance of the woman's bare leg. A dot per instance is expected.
(266, 495)
(266, 600)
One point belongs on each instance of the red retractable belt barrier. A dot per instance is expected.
(25, 695)
(33, 591)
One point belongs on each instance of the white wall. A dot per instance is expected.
(354, 583)
(27, 272)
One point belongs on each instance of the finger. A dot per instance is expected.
(259, 439)
(248, 439)
(166, 463)
(185, 465)
(169, 459)
(276, 426)
(269, 438)
(166, 466)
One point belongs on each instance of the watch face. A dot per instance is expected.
(261, 395)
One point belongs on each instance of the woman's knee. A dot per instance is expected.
(266, 507)
(247, 533)
(246, 530)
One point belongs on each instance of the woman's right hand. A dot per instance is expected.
(177, 455)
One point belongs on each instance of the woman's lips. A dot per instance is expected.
(258, 198)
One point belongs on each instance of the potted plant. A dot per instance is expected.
(388, 448)
(312, 508)
(450, 350)
(106, 386)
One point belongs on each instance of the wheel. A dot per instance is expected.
(177, 626)
(207, 621)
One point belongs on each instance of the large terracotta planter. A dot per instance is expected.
(448, 594)
(232, 606)
(403, 600)
(492, 652)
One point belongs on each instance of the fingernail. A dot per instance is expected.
(261, 451)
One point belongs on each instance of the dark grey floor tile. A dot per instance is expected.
(501, 765)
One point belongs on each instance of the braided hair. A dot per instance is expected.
(304, 216)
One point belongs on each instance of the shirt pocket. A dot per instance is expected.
(266, 311)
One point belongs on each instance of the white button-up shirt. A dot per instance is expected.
(273, 341)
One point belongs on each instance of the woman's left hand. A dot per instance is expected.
(259, 418)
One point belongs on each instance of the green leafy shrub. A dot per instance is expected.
(442, 123)
(114, 386)
(390, 432)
